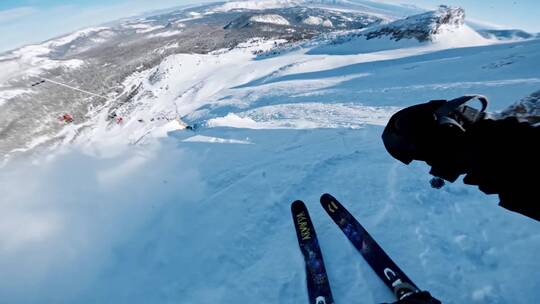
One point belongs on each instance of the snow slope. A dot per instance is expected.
(203, 216)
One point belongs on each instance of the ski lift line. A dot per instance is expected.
(74, 88)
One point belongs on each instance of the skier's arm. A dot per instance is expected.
(505, 160)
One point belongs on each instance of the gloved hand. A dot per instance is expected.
(498, 156)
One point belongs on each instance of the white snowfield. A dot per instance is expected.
(74, 36)
(5, 95)
(257, 5)
(148, 211)
(142, 27)
(31, 60)
(270, 18)
(313, 20)
(165, 34)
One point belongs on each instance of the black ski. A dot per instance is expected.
(379, 261)
(317, 280)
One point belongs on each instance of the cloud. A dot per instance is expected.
(15, 14)
(62, 220)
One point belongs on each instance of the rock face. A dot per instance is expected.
(527, 109)
(422, 27)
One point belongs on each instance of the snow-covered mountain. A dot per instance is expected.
(507, 34)
(422, 27)
(381, 9)
(301, 18)
(127, 48)
(193, 130)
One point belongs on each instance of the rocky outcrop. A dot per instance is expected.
(422, 27)
(527, 109)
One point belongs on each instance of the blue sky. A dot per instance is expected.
(521, 14)
(31, 21)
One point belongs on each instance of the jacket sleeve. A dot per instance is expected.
(504, 159)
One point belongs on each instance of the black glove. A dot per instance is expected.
(498, 156)
(421, 297)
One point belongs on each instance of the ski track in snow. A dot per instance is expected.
(205, 218)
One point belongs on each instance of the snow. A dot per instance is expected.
(270, 18)
(198, 221)
(103, 36)
(312, 20)
(386, 11)
(73, 63)
(464, 36)
(209, 139)
(257, 4)
(149, 212)
(165, 34)
(482, 294)
(5, 95)
(142, 28)
(355, 43)
(327, 23)
(32, 60)
(74, 36)
(306, 116)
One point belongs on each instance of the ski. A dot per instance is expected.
(317, 280)
(375, 256)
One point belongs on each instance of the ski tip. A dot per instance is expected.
(327, 197)
(298, 204)
(330, 203)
